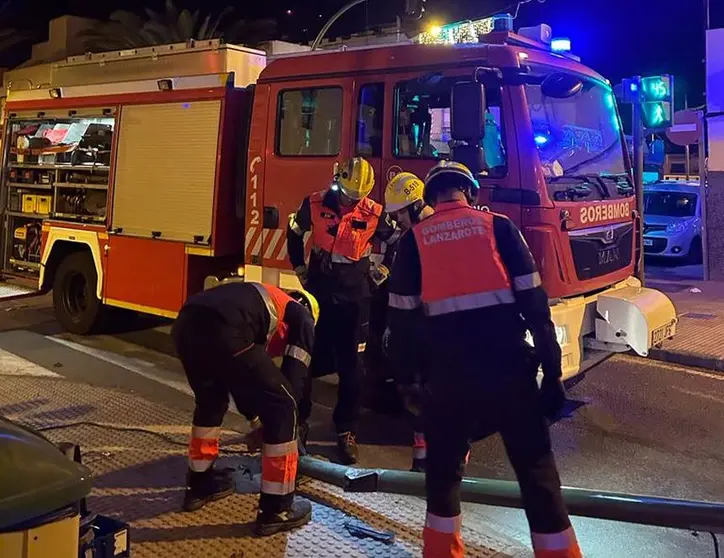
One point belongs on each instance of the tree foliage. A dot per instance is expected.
(126, 29)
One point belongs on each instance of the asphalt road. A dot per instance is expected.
(635, 426)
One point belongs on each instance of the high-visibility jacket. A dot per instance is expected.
(347, 238)
(470, 277)
(459, 242)
(343, 238)
(263, 314)
(277, 342)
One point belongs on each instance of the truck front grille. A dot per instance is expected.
(601, 250)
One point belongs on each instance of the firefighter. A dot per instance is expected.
(343, 223)
(406, 206)
(473, 277)
(226, 338)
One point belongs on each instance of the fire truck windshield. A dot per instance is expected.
(578, 136)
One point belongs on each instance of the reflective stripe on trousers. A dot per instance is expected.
(556, 545)
(442, 538)
(419, 448)
(203, 447)
(469, 302)
(279, 468)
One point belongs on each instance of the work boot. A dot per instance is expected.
(302, 435)
(297, 515)
(208, 486)
(347, 448)
(418, 465)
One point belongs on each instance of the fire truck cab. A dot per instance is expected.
(199, 175)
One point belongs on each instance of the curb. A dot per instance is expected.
(710, 363)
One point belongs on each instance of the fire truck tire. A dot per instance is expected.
(77, 308)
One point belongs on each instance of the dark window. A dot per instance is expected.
(670, 204)
(423, 121)
(310, 122)
(370, 120)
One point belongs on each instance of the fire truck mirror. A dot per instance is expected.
(561, 86)
(468, 112)
(271, 217)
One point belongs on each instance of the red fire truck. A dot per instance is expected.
(136, 194)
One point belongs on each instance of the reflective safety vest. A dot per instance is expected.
(353, 238)
(460, 263)
(276, 302)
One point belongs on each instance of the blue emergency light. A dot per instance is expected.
(540, 139)
(561, 45)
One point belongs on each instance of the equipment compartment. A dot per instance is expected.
(55, 167)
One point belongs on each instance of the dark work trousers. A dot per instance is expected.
(209, 351)
(467, 392)
(339, 345)
(380, 389)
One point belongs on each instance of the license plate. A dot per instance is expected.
(648, 242)
(661, 334)
(608, 256)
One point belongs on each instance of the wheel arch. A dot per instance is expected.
(62, 242)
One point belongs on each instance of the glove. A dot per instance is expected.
(302, 272)
(380, 274)
(553, 396)
(254, 438)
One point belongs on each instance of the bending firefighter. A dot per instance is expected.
(343, 223)
(226, 338)
(474, 279)
(405, 204)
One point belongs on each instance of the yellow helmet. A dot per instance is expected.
(307, 300)
(355, 178)
(403, 190)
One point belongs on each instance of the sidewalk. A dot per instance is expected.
(136, 450)
(699, 339)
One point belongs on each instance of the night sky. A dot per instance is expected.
(616, 37)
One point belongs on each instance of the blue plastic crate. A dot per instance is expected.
(111, 539)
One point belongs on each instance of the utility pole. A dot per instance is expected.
(687, 147)
(638, 174)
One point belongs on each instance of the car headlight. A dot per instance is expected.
(677, 227)
(561, 336)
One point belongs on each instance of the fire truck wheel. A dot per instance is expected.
(77, 308)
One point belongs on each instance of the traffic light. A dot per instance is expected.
(414, 8)
(657, 101)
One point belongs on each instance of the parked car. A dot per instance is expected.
(672, 221)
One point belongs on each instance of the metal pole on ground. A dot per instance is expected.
(629, 508)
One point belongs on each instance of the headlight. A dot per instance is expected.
(677, 227)
(561, 336)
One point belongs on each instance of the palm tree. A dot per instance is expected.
(129, 30)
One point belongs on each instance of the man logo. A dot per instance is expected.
(608, 236)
